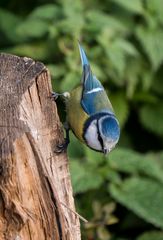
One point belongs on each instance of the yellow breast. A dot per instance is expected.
(75, 114)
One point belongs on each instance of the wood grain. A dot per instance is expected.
(35, 185)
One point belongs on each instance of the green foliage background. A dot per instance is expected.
(121, 195)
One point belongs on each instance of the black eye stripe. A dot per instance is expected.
(99, 136)
(96, 116)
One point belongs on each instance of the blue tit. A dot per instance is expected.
(89, 112)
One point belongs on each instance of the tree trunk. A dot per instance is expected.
(36, 199)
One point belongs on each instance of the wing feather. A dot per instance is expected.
(94, 98)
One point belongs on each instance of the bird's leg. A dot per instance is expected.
(55, 95)
(62, 147)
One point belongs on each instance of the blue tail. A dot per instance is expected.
(83, 56)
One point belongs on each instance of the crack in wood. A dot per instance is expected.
(56, 207)
(38, 92)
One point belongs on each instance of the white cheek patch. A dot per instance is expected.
(91, 136)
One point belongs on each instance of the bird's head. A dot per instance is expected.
(102, 133)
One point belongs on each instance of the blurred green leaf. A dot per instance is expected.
(103, 234)
(37, 51)
(71, 7)
(46, 12)
(135, 6)
(8, 23)
(117, 51)
(147, 79)
(120, 106)
(117, 58)
(157, 84)
(97, 71)
(151, 117)
(75, 150)
(145, 97)
(142, 196)
(73, 19)
(71, 80)
(32, 28)
(99, 20)
(94, 158)
(132, 75)
(84, 177)
(56, 70)
(127, 47)
(151, 235)
(109, 174)
(71, 25)
(158, 157)
(155, 9)
(152, 43)
(128, 161)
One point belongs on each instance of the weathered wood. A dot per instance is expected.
(35, 185)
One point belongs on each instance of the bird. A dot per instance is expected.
(89, 112)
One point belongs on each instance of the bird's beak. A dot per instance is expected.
(105, 151)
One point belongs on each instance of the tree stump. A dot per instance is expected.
(36, 201)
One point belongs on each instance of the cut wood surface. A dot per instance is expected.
(36, 199)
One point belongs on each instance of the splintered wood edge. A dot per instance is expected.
(34, 180)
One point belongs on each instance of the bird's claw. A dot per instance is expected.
(54, 95)
(62, 147)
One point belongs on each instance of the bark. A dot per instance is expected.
(36, 200)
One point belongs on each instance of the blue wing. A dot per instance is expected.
(94, 98)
